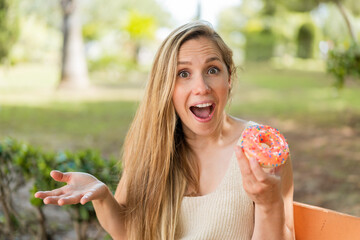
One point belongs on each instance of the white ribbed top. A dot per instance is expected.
(226, 213)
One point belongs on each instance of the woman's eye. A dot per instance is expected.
(184, 74)
(213, 70)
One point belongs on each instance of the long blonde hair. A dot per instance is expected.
(158, 161)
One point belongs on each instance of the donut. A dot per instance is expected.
(266, 144)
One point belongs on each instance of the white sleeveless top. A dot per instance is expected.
(226, 213)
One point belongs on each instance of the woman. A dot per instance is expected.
(182, 179)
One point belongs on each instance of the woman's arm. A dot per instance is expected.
(275, 220)
(110, 216)
(82, 188)
(272, 194)
(287, 191)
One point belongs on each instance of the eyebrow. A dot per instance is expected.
(213, 59)
(207, 61)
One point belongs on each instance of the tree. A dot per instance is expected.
(342, 63)
(346, 18)
(198, 10)
(64, 15)
(140, 27)
(130, 23)
(74, 73)
(99, 19)
(308, 5)
(9, 27)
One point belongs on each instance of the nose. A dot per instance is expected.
(201, 86)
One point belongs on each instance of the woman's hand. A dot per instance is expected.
(272, 192)
(80, 188)
(263, 186)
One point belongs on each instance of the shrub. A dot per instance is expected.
(20, 162)
(260, 45)
(343, 63)
(11, 180)
(9, 26)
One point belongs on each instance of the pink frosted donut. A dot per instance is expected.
(266, 144)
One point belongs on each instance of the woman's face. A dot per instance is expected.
(201, 88)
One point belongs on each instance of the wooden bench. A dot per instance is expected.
(315, 223)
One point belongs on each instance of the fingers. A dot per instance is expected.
(57, 176)
(87, 197)
(262, 186)
(60, 177)
(51, 200)
(252, 172)
(58, 197)
(258, 172)
(71, 199)
(65, 199)
(62, 200)
(243, 162)
(99, 191)
(52, 193)
(245, 169)
(79, 189)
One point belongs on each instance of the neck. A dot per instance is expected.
(219, 137)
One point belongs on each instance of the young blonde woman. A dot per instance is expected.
(184, 175)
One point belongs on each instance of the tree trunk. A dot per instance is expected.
(42, 235)
(74, 74)
(8, 219)
(347, 20)
(5, 205)
(198, 10)
(79, 226)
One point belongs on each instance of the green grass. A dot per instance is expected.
(28, 76)
(70, 126)
(322, 133)
(294, 94)
(261, 92)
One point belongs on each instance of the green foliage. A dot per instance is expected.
(305, 41)
(88, 161)
(21, 161)
(260, 45)
(9, 26)
(91, 31)
(299, 5)
(344, 63)
(114, 63)
(114, 12)
(353, 6)
(140, 26)
(269, 8)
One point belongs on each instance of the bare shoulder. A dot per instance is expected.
(236, 126)
(238, 120)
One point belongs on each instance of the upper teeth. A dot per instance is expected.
(203, 105)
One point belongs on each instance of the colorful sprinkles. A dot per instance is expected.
(266, 144)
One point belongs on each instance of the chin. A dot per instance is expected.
(202, 129)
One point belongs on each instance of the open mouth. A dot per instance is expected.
(203, 112)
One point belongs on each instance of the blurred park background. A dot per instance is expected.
(73, 71)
